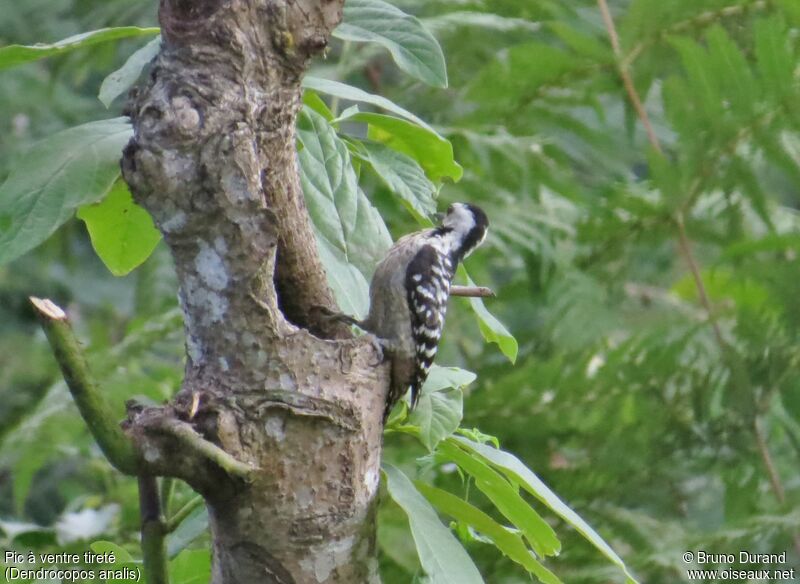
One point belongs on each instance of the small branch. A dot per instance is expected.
(184, 512)
(154, 553)
(772, 472)
(94, 409)
(641, 112)
(774, 478)
(694, 268)
(472, 291)
(627, 81)
(196, 444)
(703, 19)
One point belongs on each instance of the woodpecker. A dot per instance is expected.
(409, 293)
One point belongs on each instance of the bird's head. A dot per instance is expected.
(468, 225)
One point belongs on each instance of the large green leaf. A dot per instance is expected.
(122, 563)
(402, 175)
(191, 567)
(122, 233)
(492, 329)
(351, 235)
(120, 555)
(507, 541)
(429, 149)
(505, 497)
(512, 467)
(442, 557)
(13, 55)
(413, 48)
(440, 406)
(58, 174)
(123, 78)
(189, 530)
(348, 92)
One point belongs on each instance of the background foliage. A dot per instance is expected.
(670, 422)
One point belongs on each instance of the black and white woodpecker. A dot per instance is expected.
(409, 293)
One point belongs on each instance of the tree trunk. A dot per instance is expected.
(278, 423)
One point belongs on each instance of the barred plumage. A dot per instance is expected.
(409, 293)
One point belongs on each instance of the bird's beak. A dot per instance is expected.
(439, 217)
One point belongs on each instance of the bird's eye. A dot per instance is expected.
(450, 209)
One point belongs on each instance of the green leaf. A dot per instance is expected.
(123, 78)
(351, 235)
(505, 497)
(429, 149)
(121, 555)
(451, 21)
(316, 103)
(413, 48)
(440, 406)
(774, 242)
(725, 285)
(350, 287)
(402, 175)
(791, 9)
(189, 530)
(517, 75)
(732, 71)
(512, 467)
(348, 92)
(122, 233)
(57, 175)
(775, 62)
(507, 541)
(702, 80)
(442, 557)
(492, 329)
(191, 567)
(13, 55)
(583, 44)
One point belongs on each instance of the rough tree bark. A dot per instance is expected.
(278, 422)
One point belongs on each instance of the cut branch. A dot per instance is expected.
(94, 409)
(472, 291)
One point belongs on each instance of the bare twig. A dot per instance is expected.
(761, 440)
(627, 81)
(701, 20)
(472, 291)
(154, 553)
(641, 112)
(772, 472)
(694, 268)
(94, 409)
